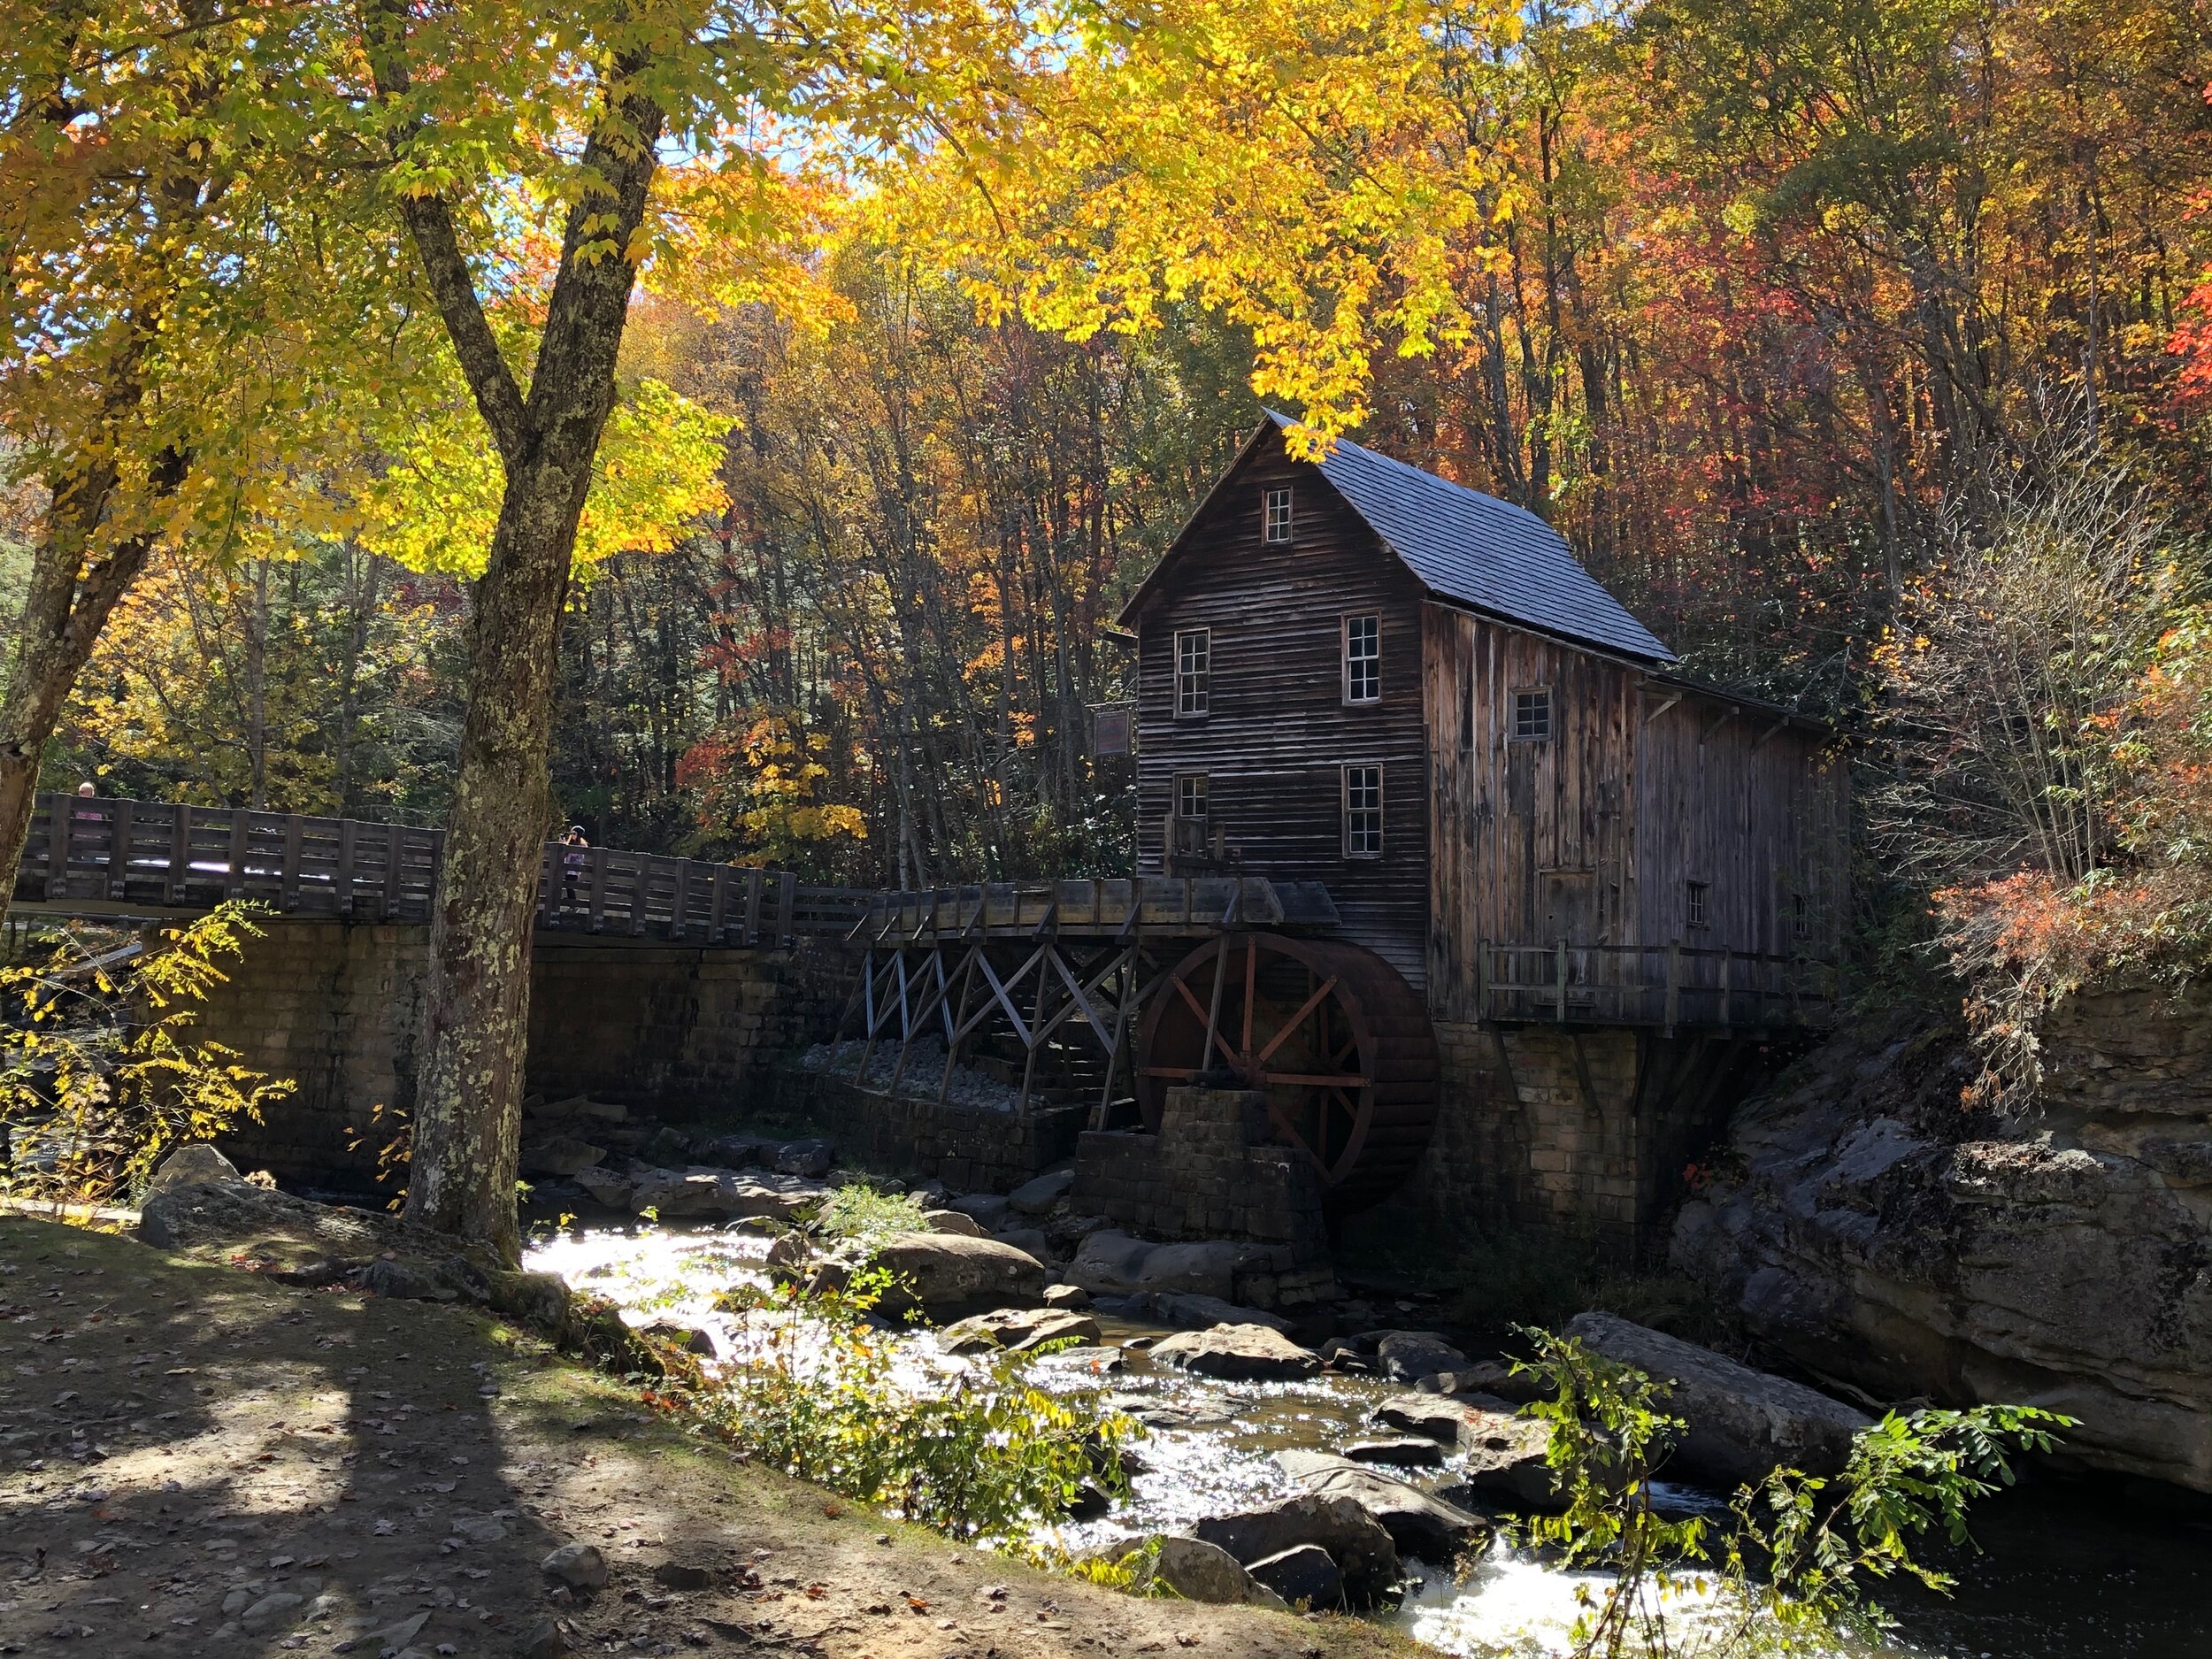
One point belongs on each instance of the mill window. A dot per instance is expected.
(1801, 917)
(1275, 514)
(1194, 666)
(1696, 910)
(1190, 795)
(1363, 659)
(1362, 810)
(1532, 715)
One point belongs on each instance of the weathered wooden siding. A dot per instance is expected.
(1730, 797)
(1278, 730)
(1531, 841)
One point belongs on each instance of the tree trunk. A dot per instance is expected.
(468, 1090)
(68, 603)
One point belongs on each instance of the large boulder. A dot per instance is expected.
(191, 1166)
(1742, 1423)
(944, 1277)
(1184, 1310)
(1418, 1524)
(1111, 1262)
(953, 1221)
(1237, 1353)
(1200, 1571)
(606, 1187)
(808, 1158)
(1407, 1355)
(1018, 1330)
(1304, 1576)
(1355, 1540)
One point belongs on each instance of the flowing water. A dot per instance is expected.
(2071, 1570)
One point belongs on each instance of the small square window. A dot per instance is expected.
(1275, 517)
(1362, 812)
(1363, 659)
(1697, 912)
(1532, 716)
(1193, 668)
(1801, 917)
(1190, 795)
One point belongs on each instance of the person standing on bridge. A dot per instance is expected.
(574, 850)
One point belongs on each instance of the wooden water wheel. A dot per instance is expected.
(1329, 1031)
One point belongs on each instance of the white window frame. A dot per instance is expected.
(1194, 689)
(1372, 663)
(1183, 778)
(1697, 904)
(1277, 532)
(1346, 809)
(1551, 714)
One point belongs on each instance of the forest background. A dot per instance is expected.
(1863, 348)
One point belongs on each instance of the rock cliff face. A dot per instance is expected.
(1867, 1226)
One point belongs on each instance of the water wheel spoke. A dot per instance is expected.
(1310, 1079)
(1199, 1008)
(1295, 1021)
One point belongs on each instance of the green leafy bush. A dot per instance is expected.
(859, 1214)
(99, 1075)
(1789, 1571)
(827, 1395)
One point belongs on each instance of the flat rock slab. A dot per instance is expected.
(1305, 1576)
(1018, 1330)
(1742, 1423)
(1236, 1353)
(1418, 1524)
(194, 1165)
(1034, 1198)
(1186, 1310)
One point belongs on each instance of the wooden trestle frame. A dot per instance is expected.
(1033, 963)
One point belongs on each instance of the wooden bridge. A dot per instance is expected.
(96, 855)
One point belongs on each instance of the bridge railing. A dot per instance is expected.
(174, 856)
(1669, 986)
(111, 854)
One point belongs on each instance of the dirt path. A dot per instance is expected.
(197, 1460)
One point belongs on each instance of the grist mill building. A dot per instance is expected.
(1604, 894)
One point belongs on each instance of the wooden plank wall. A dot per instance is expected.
(1755, 810)
(1529, 842)
(1278, 729)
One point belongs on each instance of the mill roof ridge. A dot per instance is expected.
(1463, 545)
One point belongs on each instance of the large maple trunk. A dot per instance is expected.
(476, 1013)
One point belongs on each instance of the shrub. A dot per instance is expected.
(1789, 1571)
(859, 1214)
(99, 1078)
(975, 1450)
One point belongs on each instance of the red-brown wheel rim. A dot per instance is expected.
(1329, 1031)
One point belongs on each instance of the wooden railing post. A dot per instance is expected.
(58, 846)
(341, 884)
(787, 901)
(754, 877)
(395, 865)
(180, 853)
(288, 872)
(234, 879)
(1562, 982)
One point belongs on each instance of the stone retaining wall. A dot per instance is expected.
(970, 1149)
(336, 1006)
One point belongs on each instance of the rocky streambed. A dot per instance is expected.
(1240, 1432)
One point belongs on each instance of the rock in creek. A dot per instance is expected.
(1111, 1262)
(1504, 1454)
(191, 1166)
(945, 1276)
(1400, 1355)
(988, 1210)
(1743, 1423)
(1034, 1198)
(1236, 1353)
(1072, 1297)
(1029, 1240)
(1200, 1571)
(1355, 1540)
(1418, 1524)
(808, 1158)
(606, 1187)
(953, 1221)
(1018, 1330)
(701, 1191)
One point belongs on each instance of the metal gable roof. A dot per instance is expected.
(1484, 552)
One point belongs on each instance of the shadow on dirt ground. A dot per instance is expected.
(197, 1460)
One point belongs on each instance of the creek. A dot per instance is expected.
(2070, 1570)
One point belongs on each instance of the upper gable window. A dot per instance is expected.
(1275, 514)
(1363, 659)
(1193, 670)
(1532, 715)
